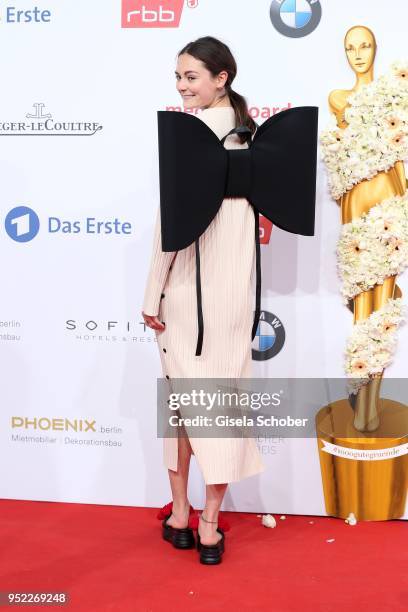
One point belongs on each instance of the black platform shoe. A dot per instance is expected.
(210, 554)
(180, 538)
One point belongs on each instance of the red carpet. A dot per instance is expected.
(113, 558)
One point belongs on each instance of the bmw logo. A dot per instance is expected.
(295, 18)
(269, 338)
(22, 224)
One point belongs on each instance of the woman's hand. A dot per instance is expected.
(153, 322)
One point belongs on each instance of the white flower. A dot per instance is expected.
(268, 521)
(400, 70)
(334, 147)
(351, 519)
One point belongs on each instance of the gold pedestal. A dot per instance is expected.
(373, 488)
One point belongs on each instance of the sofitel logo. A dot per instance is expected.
(153, 13)
(41, 123)
(113, 331)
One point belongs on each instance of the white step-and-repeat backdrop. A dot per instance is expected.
(81, 84)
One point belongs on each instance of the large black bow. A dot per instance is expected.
(276, 174)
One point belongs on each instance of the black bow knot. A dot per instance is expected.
(239, 173)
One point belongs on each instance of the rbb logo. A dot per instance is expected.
(265, 230)
(151, 13)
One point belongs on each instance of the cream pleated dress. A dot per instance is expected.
(227, 254)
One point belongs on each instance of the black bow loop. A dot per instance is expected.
(240, 130)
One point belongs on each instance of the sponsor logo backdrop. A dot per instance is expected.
(79, 194)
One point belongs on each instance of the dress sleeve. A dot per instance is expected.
(159, 267)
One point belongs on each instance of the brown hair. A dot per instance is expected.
(216, 57)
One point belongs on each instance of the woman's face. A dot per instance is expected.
(196, 85)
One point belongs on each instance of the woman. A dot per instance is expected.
(204, 75)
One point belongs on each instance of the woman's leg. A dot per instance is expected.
(178, 484)
(214, 496)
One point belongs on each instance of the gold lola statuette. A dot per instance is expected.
(363, 463)
(360, 47)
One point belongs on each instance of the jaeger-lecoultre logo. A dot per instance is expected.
(40, 122)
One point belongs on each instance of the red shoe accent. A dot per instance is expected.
(167, 510)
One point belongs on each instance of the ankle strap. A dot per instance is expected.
(205, 520)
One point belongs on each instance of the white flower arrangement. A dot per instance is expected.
(377, 133)
(373, 246)
(372, 343)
